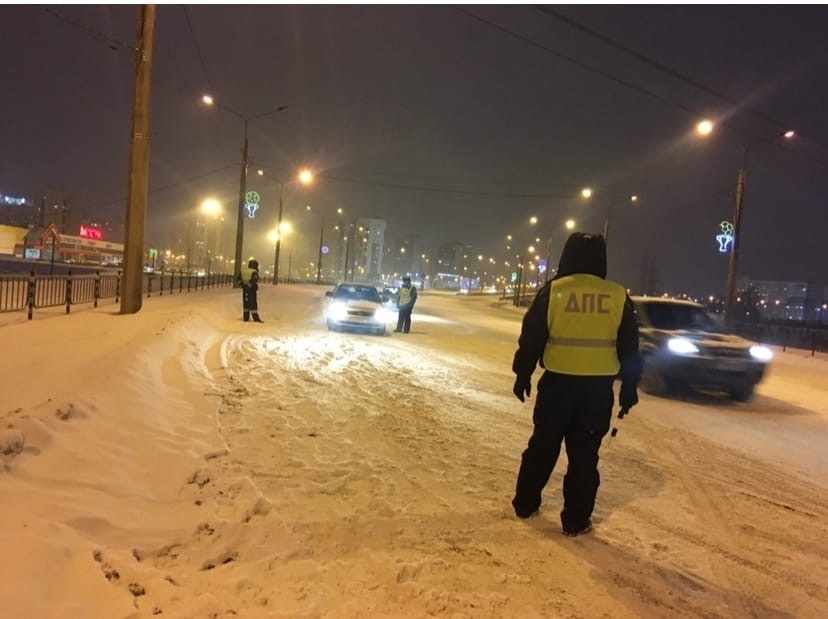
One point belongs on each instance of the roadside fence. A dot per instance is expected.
(30, 292)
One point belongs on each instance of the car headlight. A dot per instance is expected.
(337, 311)
(381, 315)
(682, 346)
(761, 353)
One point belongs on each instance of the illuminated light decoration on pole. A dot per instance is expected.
(251, 203)
(725, 238)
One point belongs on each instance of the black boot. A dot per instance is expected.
(256, 317)
(246, 316)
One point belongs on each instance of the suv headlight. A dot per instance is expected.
(761, 353)
(682, 346)
(381, 315)
(337, 311)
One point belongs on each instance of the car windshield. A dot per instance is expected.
(357, 293)
(672, 317)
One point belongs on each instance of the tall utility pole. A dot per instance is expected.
(136, 214)
(347, 252)
(319, 260)
(730, 293)
(240, 220)
(278, 237)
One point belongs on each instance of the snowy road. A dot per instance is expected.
(348, 475)
(394, 459)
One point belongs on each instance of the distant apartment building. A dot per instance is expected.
(16, 211)
(788, 300)
(366, 249)
(451, 269)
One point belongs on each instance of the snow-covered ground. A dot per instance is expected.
(183, 463)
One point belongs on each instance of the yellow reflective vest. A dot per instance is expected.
(584, 314)
(246, 275)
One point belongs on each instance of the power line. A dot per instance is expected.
(160, 189)
(695, 114)
(465, 192)
(580, 64)
(112, 43)
(197, 48)
(456, 179)
(573, 195)
(674, 73)
(429, 188)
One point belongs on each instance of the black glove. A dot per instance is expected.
(523, 385)
(629, 395)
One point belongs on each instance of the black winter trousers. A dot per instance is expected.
(404, 320)
(250, 302)
(575, 410)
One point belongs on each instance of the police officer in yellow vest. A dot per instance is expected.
(581, 328)
(249, 282)
(405, 303)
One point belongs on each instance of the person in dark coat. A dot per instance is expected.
(405, 303)
(581, 329)
(249, 282)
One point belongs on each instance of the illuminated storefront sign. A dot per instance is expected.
(725, 237)
(91, 233)
(12, 200)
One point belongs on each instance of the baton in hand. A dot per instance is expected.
(624, 410)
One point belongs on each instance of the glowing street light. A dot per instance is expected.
(586, 192)
(705, 127)
(305, 176)
(533, 220)
(789, 134)
(570, 224)
(211, 207)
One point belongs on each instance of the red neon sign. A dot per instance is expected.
(91, 233)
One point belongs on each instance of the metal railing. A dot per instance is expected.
(787, 334)
(30, 292)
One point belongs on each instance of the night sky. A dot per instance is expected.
(447, 127)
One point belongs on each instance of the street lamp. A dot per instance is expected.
(633, 198)
(305, 177)
(587, 193)
(705, 127)
(210, 101)
(733, 263)
(339, 211)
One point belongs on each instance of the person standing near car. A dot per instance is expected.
(581, 327)
(405, 303)
(249, 282)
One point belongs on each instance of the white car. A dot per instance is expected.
(356, 306)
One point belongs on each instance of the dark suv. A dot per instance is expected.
(685, 346)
